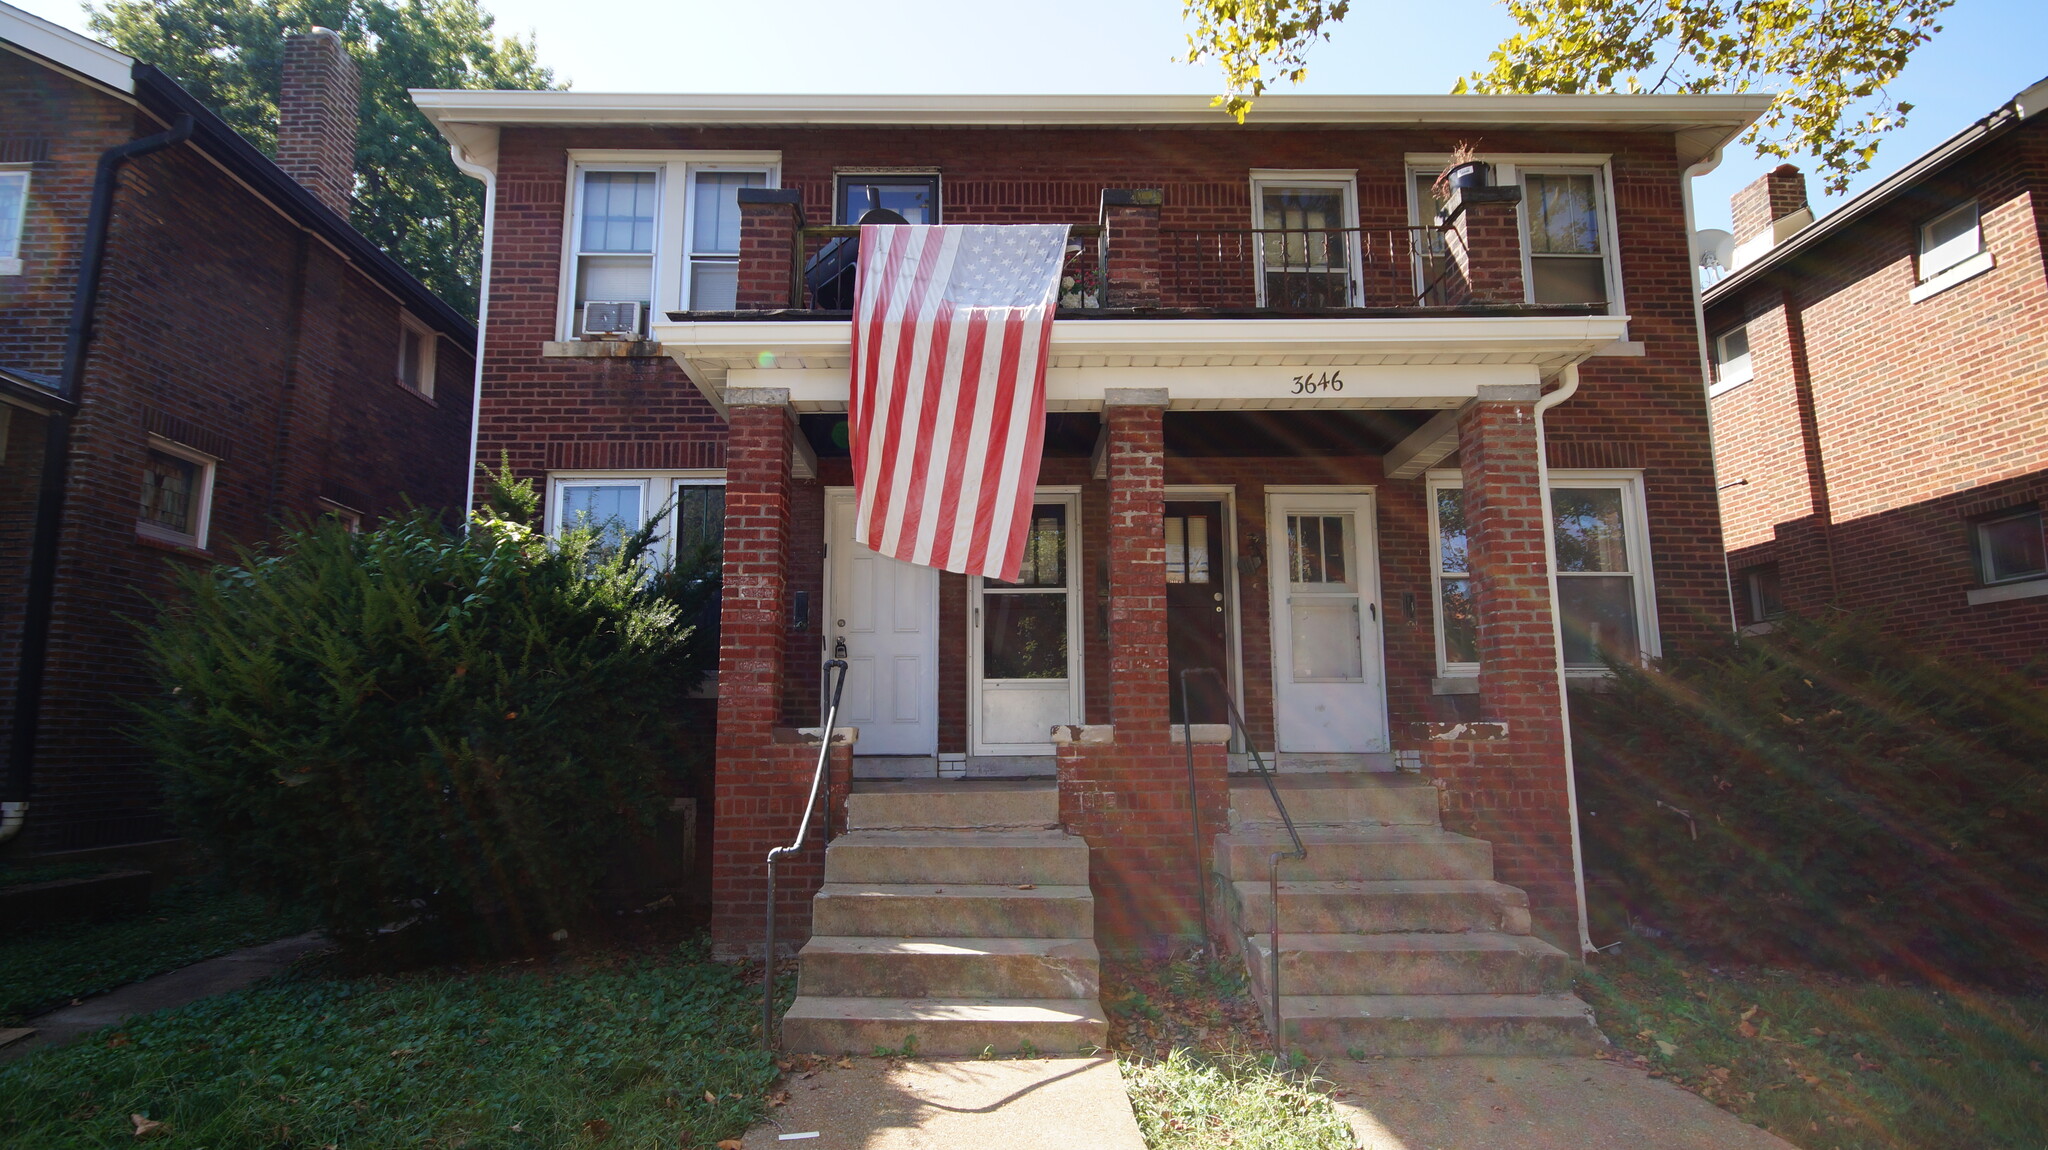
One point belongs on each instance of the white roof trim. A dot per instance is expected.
(67, 49)
(1674, 112)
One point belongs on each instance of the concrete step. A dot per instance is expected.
(943, 1026)
(1363, 853)
(1007, 857)
(1345, 1026)
(1479, 963)
(953, 910)
(949, 968)
(1326, 800)
(1366, 907)
(955, 804)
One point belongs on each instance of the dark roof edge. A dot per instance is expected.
(159, 93)
(32, 387)
(2001, 120)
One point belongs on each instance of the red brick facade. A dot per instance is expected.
(225, 327)
(1878, 429)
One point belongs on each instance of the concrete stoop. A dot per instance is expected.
(954, 918)
(1395, 938)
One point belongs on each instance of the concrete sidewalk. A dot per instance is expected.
(887, 1104)
(1529, 1104)
(187, 984)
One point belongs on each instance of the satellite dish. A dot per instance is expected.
(1716, 248)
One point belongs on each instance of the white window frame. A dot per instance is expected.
(1926, 233)
(1725, 379)
(1068, 496)
(1344, 179)
(1982, 553)
(428, 353)
(673, 222)
(202, 517)
(651, 484)
(10, 261)
(1636, 541)
(1934, 281)
(1509, 169)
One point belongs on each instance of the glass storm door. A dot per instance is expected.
(1026, 664)
(1326, 648)
(888, 613)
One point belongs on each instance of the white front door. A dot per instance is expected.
(1024, 654)
(1329, 695)
(888, 613)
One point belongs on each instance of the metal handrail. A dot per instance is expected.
(1300, 851)
(1206, 262)
(796, 844)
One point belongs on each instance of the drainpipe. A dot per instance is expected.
(1699, 323)
(42, 561)
(489, 175)
(1568, 386)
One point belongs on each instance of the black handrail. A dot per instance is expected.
(796, 844)
(1300, 851)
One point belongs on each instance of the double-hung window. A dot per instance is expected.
(1604, 598)
(689, 508)
(654, 232)
(416, 354)
(1306, 225)
(1948, 239)
(1731, 359)
(13, 218)
(1568, 245)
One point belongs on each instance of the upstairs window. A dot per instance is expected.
(417, 346)
(1568, 246)
(13, 216)
(2010, 547)
(1949, 239)
(714, 271)
(1731, 359)
(915, 197)
(617, 213)
(1307, 240)
(177, 494)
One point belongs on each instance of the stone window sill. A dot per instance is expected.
(2004, 591)
(1455, 685)
(601, 349)
(177, 545)
(10, 267)
(1947, 278)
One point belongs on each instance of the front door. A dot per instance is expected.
(1025, 662)
(888, 613)
(1197, 611)
(1326, 642)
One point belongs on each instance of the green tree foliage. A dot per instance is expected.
(410, 198)
(405, 724)
(1828, 60)
(1828, 795)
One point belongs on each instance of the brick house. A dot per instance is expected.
(195, 347)
(1880, 398)
(1308, 432)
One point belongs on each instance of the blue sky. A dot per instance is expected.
(1989, 50)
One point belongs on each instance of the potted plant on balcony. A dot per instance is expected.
(1465, 170)
(1080, 287)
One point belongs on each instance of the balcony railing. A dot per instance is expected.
(821, 272)
(1307, 269)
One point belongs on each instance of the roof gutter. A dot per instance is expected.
(42, 560)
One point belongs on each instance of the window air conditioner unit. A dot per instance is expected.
(611, 317)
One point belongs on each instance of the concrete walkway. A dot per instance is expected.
(1529, 1104)
(885, 1104)
(186, 984)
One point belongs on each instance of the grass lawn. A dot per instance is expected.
(1827, 1062)
(187, 922)
(646, 1051)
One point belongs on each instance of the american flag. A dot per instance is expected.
(947, 408)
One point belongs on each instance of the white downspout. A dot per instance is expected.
(1566, 389)
(12, 815)
(1699, 323)
(486, 172)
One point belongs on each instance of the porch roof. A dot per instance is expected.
(1437, 362)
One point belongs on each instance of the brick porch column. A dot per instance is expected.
(1504, 778)
(1485, 243)
(771, 230)
(1137, 560)
(1130, 246)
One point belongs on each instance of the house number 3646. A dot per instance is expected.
(1312, 383)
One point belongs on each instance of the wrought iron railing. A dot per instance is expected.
(803, 831)
(1265, 773)
(1307, 269)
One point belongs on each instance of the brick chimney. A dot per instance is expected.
(316, 117)
(1768, 211)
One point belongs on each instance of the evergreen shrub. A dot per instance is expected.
(407, 726)
(1827, 795)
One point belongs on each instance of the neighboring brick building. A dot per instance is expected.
(1269, 338)
(1881, 394)
(246, 359)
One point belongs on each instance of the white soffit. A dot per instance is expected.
(67, 49)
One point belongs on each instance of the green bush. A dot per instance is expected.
(1826, 794)
(408, 726)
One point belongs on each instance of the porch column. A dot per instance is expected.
(762, 775)
(1504, 777)
(1130, 247)
(1135, 418)
(1486, 243)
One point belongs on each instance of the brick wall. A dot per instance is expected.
(222, 326)
(1876, 428)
